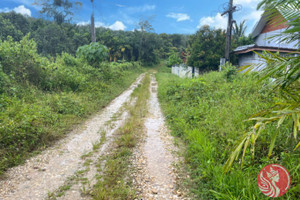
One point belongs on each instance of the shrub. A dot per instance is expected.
(93, 53)
(20, 59)
(229, 70)
(4, 81)
(174, 59)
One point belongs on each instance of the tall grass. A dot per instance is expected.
(208, 113)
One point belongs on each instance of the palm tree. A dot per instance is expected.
(286, 73)
(93, 30)
(239, 30)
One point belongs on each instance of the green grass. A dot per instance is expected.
(115, 182)
(208, 114)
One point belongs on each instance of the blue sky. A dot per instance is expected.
(166, 16)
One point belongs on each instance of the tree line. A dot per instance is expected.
(53, 38)
(202, 49)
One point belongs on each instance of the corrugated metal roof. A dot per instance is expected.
(250, 48)
(259, 25)
(241, 48)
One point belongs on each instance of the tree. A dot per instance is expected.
(8, 29)
(207, 48)
(239, 37)
(93, 30)
(239, 30)
(59, 10)
(93, 53)
(20, 22)
(144, 26)
(285, 72)
(52, 39)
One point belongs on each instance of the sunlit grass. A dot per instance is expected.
(208, 114)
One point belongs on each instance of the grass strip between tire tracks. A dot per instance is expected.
(115, 182)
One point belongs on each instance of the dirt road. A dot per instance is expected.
(156, 178)
(63, 172)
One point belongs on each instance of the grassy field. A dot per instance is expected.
(208, 113)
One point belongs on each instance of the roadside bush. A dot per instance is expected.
(93, 53)
(21, 130)
(20, 59)
(66, 104)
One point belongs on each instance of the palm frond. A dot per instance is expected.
(284, 71)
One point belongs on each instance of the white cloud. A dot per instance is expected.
(138, 9)
(179, 16)
(100, 24)
(28, 3)
(217, 21)
(83, 23)
(118, 25)
(22, 10)
(254, 15)
(120, 5)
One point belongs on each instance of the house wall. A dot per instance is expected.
(251, 59)
(264, 40)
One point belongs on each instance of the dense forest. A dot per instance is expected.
(201, 49)
(53, 39)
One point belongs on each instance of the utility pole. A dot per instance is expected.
(230, 11)
(93, 30)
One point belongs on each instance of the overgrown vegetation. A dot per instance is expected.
(285, 73)
(41, 98)
(209, 114)
(115, 183)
